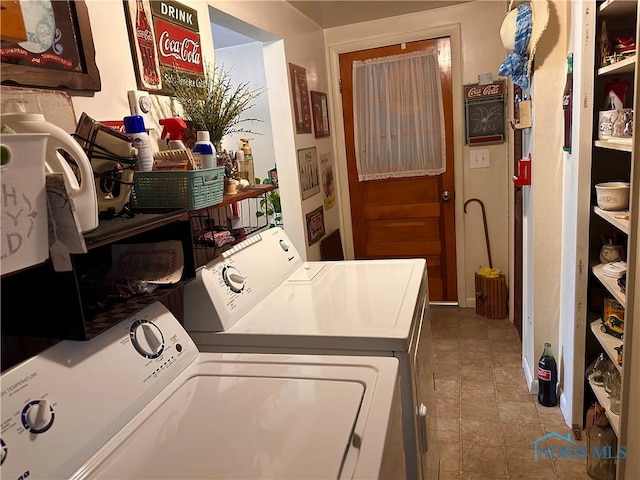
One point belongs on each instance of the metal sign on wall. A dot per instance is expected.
(164, 35)
(484, 111)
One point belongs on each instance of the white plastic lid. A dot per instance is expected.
(202, 136)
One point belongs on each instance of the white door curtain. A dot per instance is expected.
(398, 116)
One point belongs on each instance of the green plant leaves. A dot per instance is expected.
(217, 106)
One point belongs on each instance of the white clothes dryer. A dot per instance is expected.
(140, 402)
(261, 297)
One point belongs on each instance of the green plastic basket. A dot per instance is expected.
(190, 189)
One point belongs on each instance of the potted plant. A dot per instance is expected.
(270, 205)
(217, 106)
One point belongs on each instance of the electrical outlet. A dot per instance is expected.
(140, 104)
(479, 158)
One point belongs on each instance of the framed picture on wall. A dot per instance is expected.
(273, 177)
(308, 172)
(300, 96)
(484, 113)
(315, 225)
(320, 114)
(58, 52)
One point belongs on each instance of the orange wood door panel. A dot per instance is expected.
(405, 217)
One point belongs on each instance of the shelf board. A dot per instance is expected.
(608, 342)
(605, 402)
(627, 65)
(251, 192)
(613, 145)
(119, 228)
(611, 284)
(614, 8)
(610, 216)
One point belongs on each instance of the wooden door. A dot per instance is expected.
(405, 217)
(518, 229)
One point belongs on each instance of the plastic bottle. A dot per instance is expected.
(134, 126)
(547, 378)
(248, 160)
(204, 152)
(172, 131)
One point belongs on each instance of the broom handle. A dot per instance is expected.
(484, 221)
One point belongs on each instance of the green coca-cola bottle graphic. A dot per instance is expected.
(547, 378)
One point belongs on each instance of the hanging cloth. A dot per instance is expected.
(398, 116)
(516, 62)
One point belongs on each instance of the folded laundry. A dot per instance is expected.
(219, 239)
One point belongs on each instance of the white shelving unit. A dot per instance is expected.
(604, 401)
(611, 284)
(608, 342)
(613, 160)
(620, 220)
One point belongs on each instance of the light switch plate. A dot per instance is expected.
(479, 158)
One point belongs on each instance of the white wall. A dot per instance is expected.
(543, 221)
(115, 63)
(245, 64)
(476, 49)
(304, 46)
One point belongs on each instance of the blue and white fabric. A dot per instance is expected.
(516, 62)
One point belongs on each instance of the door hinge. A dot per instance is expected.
(340, 83)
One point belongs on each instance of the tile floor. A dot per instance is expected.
(486, 418)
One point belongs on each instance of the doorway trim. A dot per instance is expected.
(344, 203)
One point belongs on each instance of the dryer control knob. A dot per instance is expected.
(284, 245)
(37, 416)
(233, 279)
(146, 338)
(3, 451)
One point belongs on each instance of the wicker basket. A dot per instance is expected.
(190, 189)
(491, 297)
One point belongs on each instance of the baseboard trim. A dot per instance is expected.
(528, 375)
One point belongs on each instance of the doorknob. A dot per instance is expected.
(446, 196)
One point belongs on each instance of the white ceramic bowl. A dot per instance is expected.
(613, 195)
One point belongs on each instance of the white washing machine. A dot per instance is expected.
(261, 297)
(139, 401)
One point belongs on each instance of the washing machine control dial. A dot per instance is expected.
(3, 451)
(284, 245)
(146, 338)
(233, 279)
(37, 417)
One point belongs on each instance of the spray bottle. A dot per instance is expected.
(172, 131)
(247, 167)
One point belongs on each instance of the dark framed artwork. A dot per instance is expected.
(58, 52)
(315, 225)
(300, 96)
(484, 112)
(320, 110)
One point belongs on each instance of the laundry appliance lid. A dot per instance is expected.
(140, 401)
(242, 427)
(365, 305)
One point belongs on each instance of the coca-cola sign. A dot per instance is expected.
(178, 47)
(482, 91)
(484, 111)
(176, 13)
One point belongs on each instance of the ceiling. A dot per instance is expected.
(329, 13)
